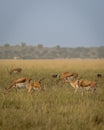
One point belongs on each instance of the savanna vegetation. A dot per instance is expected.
(24, 51)
(58, 107)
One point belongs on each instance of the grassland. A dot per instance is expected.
(57, 108)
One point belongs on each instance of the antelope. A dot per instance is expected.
(65, 75)
(15, 71)
(83, 84)
(99, 75)
(19, 83)
(36, 86)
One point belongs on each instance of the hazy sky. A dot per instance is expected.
(52, 22)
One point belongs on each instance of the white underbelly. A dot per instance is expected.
(36, 88)
(21, 85)
(15, 72)
(87, 88)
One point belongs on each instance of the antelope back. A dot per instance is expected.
(15, 70)
(68, 75)
(86, 83)
(65, 75)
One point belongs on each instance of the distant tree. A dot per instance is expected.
(40, 52)
(6, 45)
(93, 53)
(40, 46)
(57, 47)
(101, 52)
(23, 44)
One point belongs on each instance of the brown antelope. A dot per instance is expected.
(36, 86)
(19, 83)
(65, 75)
(83, 84)
(15, 71)
(99, 75)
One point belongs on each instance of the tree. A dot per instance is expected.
(23, 44)
(6, 45)
(40, 46)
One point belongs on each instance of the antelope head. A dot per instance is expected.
(36, 85)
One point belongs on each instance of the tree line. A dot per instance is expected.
(24, 51)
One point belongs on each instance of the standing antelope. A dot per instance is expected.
(36, 86)
(19, 83)
(65, 75)
(15, 71)
(83, 84)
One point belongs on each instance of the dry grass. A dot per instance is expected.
(57, 108)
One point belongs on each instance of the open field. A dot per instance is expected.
(56, 108)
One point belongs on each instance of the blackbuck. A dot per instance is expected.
(36, 85)
(14, 71)
(65, 76)
(83, 85)
(19, 83)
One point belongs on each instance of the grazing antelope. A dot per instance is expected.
(36, 86)
(15, 71)
(19, 83)
(65, 75)
(83, 84)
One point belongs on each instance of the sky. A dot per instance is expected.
(69, 23)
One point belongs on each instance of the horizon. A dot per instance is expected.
(61, 46)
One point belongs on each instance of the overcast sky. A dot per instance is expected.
(52, 22)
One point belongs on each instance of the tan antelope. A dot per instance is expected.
(14, 70)
(37, 85)
(19, 83)
(65, 75)
(83, 85)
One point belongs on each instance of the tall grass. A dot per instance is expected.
(57, 108)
